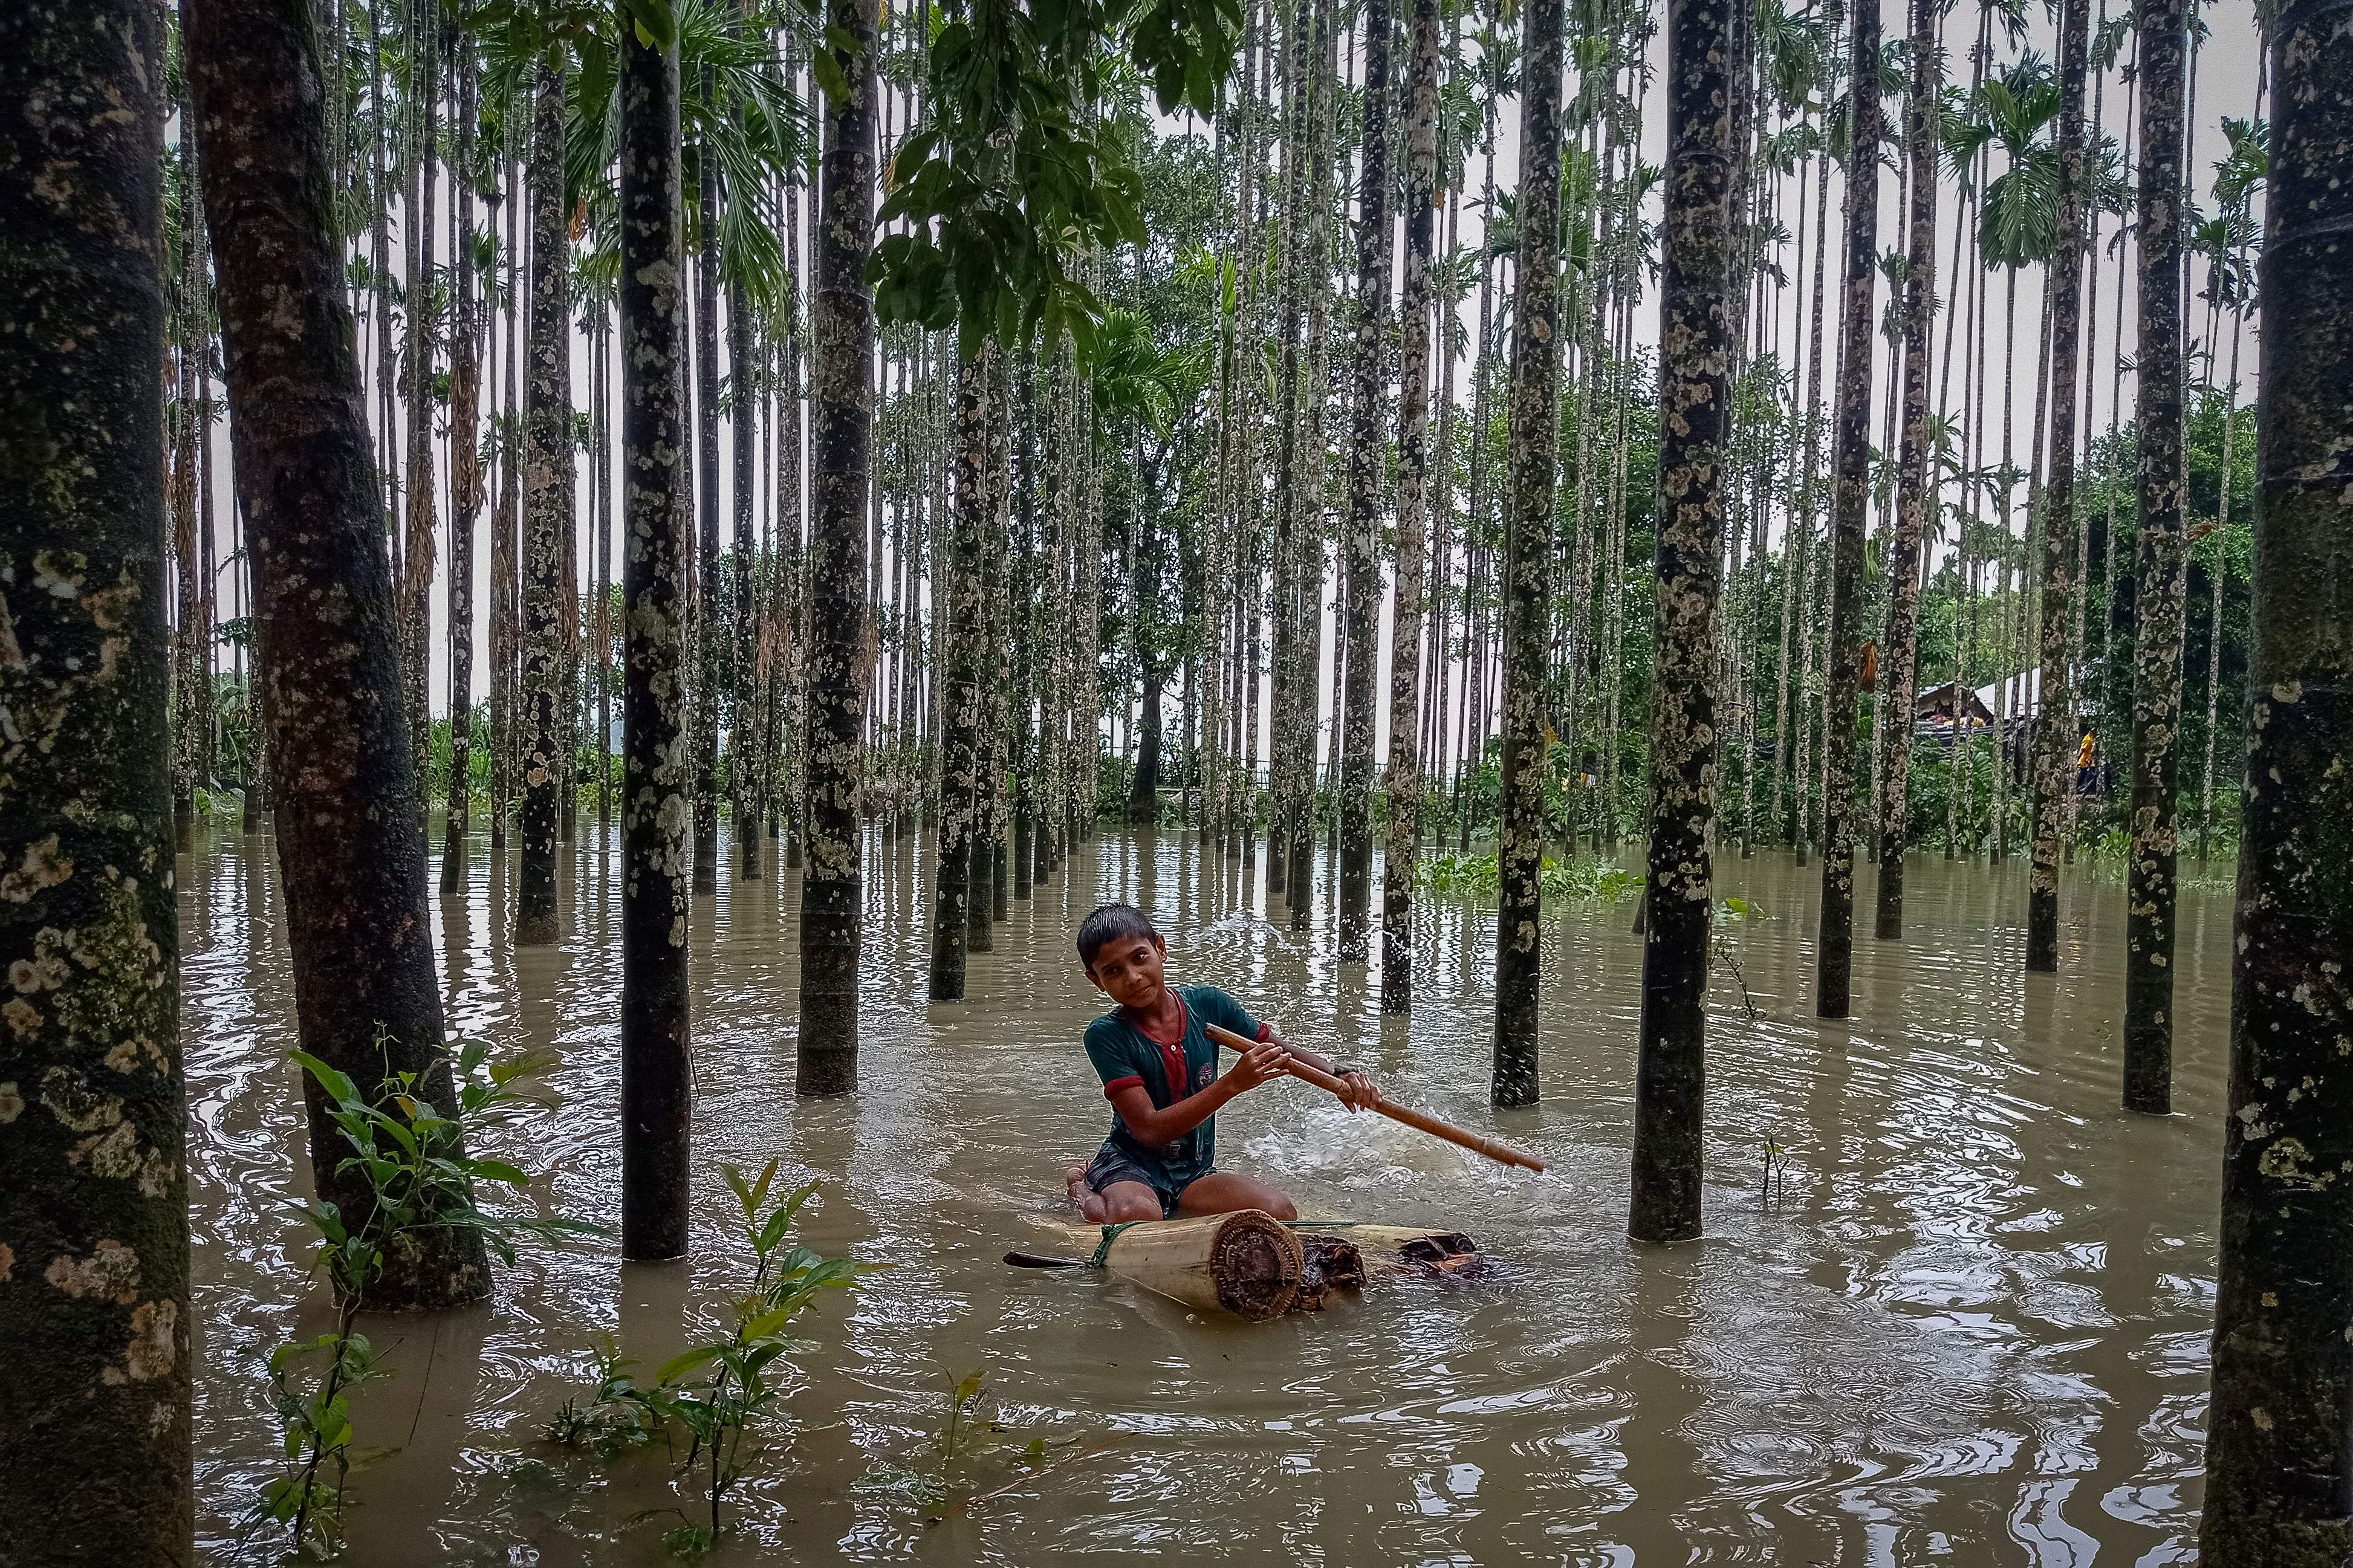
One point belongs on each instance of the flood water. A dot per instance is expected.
(1972, 1328)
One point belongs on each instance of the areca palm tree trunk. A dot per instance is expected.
(417, 551)
(1809, 498)
(743, 742)
(2151, 890)
(350, 839)
(2054, 720)
(1299, 82)
(2280, 1444)
(709, 593)
(186, 570)
(1850, 505)
(1367, 460)
(840, 440)
(1534, 439)
(1405, 760)
(2222, 570)
(548, 491)
(657, 1087)
(97, 1324)
(1913, 496)
(1697, 325)
(464, 481)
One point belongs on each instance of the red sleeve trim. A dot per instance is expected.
(1265, 1033)
(1111, 1088)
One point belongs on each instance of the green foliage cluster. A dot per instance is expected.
(725, 1383)
(1447, 872)
(413, 1160)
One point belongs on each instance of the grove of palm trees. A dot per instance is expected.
(633, 632)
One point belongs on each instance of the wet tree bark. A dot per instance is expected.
(1850, 512)
(1404, 778)
(841, 429)
(95, 1419)
(416, 559)
(465, 489)
(1915, 494)
(960, 737)
(742, 735)
(2149, 889)
(2055, 717)
(657, 791)
(1368, 465)
(1027, 623)
(350, 841)
(1698, 301)
(2279, 1453)
(1527, 549)
(548, 492)
(709, 593)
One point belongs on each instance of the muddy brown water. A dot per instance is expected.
(1973, 1327)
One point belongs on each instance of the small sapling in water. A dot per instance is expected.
(419, 1177)
(967, 1433)
(717, 1388)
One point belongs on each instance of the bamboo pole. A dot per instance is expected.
(1501, 1153)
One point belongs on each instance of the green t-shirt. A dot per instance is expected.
(1123, 1054)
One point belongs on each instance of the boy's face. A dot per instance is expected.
(1130, 970)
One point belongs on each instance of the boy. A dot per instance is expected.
(1160, 1073)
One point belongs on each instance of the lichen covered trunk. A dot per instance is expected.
(743, 744)
(1916, 494)
(1368, 473)
(842, 429)
(1698, 338)
(95, 1442)
(2054, 717)
(2279, 1450)
(1404, 775)
(657, 788)
(960, 729)
(547, 495)
(1849, 510)
(708, 595)
(350, 839)
(2149, 891)
(1528, 534)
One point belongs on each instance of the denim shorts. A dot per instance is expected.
(1114, 1163)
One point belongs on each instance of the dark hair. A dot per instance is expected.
(1107, 925)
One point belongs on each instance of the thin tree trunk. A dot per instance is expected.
(1850, 507)
(1534, 437)
(840, 440)
(657, 1081)
(417, 552)
(2279, 1450)
(709, 591)
(1697, 306)
(1915, 496)
(2221, 574)
(97, 1444)
(1405, 759)
(465, 484)
(961, 684)
(2157, 656)
(742, 742)
(350, 841)
(1367, 463)
(548, 487)
(2055, 711)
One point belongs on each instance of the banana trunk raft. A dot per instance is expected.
(1253, 1266)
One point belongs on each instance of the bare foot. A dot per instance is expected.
(1090, 1206)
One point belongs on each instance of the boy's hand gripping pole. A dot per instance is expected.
(1501, 1153)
